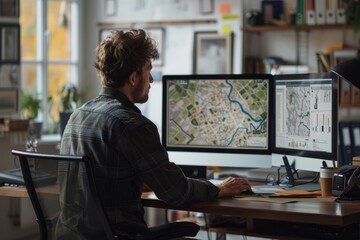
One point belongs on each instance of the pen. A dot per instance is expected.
(324, 164)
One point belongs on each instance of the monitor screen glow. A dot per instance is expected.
(305, 115)
(217, 113)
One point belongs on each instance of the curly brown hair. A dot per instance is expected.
(121, 53)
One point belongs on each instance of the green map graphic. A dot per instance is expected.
(222, 113)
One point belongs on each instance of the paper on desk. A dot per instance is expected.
(282, 200)
(283, 196)
(266, 189)
(266, 199)
(298, 193)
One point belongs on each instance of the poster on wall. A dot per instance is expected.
(8, 100)
(213, 53)
(10, 43)
(158, 35)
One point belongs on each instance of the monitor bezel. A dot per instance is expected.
(307, 153)
(165, 80)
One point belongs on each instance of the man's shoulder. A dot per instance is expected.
(97, 105)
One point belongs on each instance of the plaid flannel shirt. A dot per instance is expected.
(126, 152)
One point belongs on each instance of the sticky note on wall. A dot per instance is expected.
(226, 29)
(228, 23)
(225, 8)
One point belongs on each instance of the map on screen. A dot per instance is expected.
(218, 113)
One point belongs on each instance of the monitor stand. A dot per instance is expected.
(289, 172)
(291, 180)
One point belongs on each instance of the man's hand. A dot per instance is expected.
(232, 186)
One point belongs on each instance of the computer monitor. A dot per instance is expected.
(218, 120)
(305, 123)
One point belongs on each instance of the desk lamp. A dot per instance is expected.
(349, 70)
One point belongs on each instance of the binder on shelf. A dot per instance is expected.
(300, 13)
(346, 153)
(355, 138)
(310, 12)
(320, 10)
(340, 12)
(331, 6)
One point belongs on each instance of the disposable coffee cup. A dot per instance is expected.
(326, 176)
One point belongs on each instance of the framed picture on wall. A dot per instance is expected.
(158, 35)
(10, 43)
(212, 53)
(8, 100)
(9, 8)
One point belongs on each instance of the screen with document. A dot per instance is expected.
(306, 115)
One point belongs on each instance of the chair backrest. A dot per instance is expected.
(51, 188)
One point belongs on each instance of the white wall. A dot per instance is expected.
(178, 58)
(178, 37)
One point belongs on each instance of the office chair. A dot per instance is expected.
(44, 191)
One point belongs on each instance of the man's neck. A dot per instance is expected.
(126, 91)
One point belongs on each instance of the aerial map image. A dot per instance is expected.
(228, 113)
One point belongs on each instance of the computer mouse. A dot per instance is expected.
(247, 191)
(226, 175)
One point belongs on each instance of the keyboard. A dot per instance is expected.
(14, 178)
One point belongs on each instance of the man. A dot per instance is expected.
(124, 146)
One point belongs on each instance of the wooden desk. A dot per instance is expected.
(337, 214)
(20, 192)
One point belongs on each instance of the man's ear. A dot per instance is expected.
(133, 78)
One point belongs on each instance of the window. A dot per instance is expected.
(49, 52)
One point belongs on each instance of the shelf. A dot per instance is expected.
(160, 22)
(272, 28)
